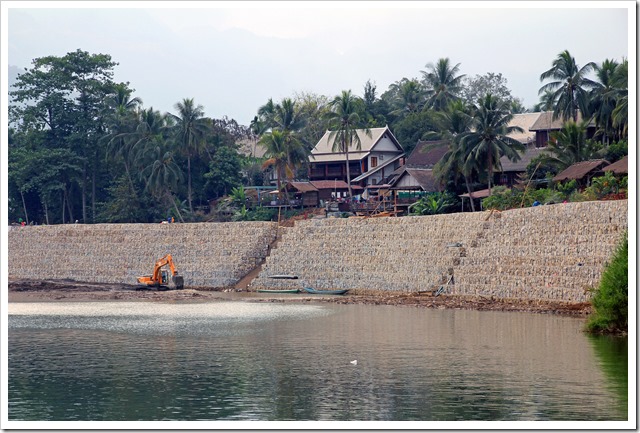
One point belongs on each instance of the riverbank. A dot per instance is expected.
(70, 291)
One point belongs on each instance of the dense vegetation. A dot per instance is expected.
(610, 300)
(83, 147)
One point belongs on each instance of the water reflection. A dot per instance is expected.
(243, 361)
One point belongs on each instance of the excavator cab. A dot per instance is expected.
(162, 279)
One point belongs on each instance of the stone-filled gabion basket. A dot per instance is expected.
(214, 255)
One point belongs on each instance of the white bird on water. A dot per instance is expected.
(354, 362)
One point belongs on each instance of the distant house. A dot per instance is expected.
(417, 173)
(510, 170)
(379, 155)
(581, 171)
(545, 125)
(312, 192)
(620, 167)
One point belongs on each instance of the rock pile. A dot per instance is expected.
(206, 254)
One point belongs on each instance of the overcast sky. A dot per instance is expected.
(232, 59)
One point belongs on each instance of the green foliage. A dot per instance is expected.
(435, 203)
(224, 172)
(604, 185)
(610, 299)
(238, 196)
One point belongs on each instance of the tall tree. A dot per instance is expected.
(345, 122)
(568, 146)
(65, 97)
(603, 99)
(620, 115)
(191, 128)
(442, 83)
(570, 86)
(284, 153)
(488, 138)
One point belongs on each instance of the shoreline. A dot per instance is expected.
(72, 291)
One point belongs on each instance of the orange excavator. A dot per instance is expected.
(160, 279)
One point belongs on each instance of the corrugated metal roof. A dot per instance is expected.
(332, 184)
(619, 167)
(481, 193)
(302, 186)
(580, 169)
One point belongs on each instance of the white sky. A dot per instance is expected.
(231, 57)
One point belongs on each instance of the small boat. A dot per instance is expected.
(278, 290)
(284, 277)
(325, 292)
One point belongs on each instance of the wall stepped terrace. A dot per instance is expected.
(390, 254)
(212, 255)
(553, 252)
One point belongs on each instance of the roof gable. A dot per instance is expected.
(367, 143)
(545, 122)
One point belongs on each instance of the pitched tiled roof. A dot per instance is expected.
(427, 153)
(323, 150)
(530, 153)
(425, 178)
(619, 167)
(580, 169)
(524, 121)
(545, 122)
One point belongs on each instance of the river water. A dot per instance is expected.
(229, 361)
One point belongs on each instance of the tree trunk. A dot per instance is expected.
(84, 194)
(189, 183)
(24, 206)
(63, 205)
(346, 154)
(175, 206)
(490, 170)
(46, 211)
(466, 181)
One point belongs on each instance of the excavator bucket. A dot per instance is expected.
(176, 282)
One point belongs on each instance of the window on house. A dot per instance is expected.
(374, 161)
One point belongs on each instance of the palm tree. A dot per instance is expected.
(191, 129)
(620, 114)
(284, 152)
(604, 98)
(568, 146)
(442, 83)
(345, 122)
(454, 122)
(162, 175)
(409, 97)
(570, 86)
(121, 122)
(488, 138)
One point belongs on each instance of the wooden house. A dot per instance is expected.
(378, 156)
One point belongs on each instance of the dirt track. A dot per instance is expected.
(43, 291)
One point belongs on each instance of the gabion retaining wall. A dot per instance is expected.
(394, 254)
(555, 252)
(206, 254)
(549, 252)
